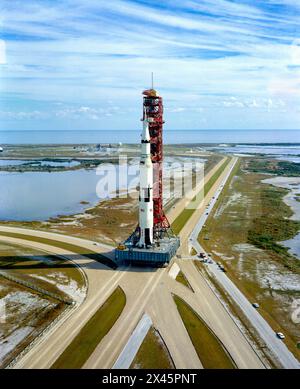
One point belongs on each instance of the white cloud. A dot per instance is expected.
(2, 52)
(23, 115)
(205, 55)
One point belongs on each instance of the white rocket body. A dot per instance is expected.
(146, 190)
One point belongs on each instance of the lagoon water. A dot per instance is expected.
(41, 195)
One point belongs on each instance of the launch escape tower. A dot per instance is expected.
(153, 242)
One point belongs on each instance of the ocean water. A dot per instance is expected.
(133, 136)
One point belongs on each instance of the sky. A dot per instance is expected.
(83, 64)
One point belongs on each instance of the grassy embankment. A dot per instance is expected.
(67, 246)
(270, 166)
(183, 280)
(210, 163)
(244, 229)
(153, 353)
(210, 350)
(273, 226)
(182, 219)
(81, 348)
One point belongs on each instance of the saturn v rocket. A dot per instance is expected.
(152, 243)
(152, 220)
(146, 188)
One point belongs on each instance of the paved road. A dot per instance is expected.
(199, 213)
(100, 248)
(129, 352)
(211, 200)
(275, 345)
(182, 203)
(212, 311)
(147, 291)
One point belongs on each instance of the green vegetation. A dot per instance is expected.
(153, 353)
(182, 219)
(193, 251)
(279, 168)
(273, 226)
(67, 246)
(245, 229)
(81, 348)
(183, 280)
(210, 350)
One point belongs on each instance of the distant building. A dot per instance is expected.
(1, 150)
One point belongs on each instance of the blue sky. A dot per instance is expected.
(82, 64)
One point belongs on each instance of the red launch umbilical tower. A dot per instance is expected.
(153, 108)
(152, 243)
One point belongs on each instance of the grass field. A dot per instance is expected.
(210, 350)
(80, 349)
(268, 165)
(183, 280)
(182, 219)
(153, 353)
